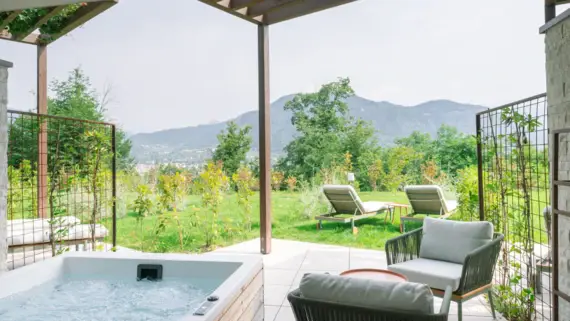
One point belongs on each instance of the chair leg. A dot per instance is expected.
(459, 311)
(490, 294)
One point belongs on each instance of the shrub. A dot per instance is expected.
(291, 183)
(211, 185)
(432, 174)
(277, 180)
(142, 206)
(311, 199)
(467, 193)
(244, 181)
(375, 173)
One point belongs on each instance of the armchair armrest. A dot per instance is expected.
(444, 310)
(404, 248)
(479, 266)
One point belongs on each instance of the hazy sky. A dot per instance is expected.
(176, 63)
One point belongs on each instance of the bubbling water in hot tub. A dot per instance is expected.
(107, 299)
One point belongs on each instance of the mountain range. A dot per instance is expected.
(193, 144)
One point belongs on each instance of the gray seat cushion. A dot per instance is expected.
(375, 294)
(436, 274)
(451, 241)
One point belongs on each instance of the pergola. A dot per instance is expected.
(264, 13)
(40, 23)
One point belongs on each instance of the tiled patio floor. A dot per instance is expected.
(289, 260)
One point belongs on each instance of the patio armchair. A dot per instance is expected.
(444, 253)
(344, 200)
(322, 297)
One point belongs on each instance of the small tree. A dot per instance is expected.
(347, 162)
(244, 181)
(98, 151)
(212, 184)
(170, 187)
(397, 159)
(142, 207)
(431, 174)
(467, 193)
(234, 143)
(375, 172)
(277, 180)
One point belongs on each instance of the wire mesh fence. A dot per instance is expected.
(61, 187)
(514, 194)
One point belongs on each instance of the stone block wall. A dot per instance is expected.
(4, 66)
(557, 43)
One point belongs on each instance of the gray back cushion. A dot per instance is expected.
(451, 241)
(426, 199)
(343, 198)
(375, 294)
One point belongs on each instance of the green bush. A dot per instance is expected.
(468, 193)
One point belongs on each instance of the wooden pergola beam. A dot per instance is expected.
(225, 5)
(240, 4)
(269, 12)
(303, 8)
(268, 6)
(31, 39)
(11, 5)
(54, 11)
(9, 19)
(83, 15)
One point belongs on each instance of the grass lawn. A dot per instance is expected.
(288, 223)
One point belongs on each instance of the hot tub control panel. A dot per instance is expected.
(207, 305)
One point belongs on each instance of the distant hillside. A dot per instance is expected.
(391, 121)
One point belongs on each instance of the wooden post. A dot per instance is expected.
(42, 104)
(264, 139)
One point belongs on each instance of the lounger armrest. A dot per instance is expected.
(479, 266)
(444, 310)
(404, 247)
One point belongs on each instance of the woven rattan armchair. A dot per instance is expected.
(477, 269)
(313, 310)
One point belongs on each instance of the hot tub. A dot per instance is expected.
(135, 286)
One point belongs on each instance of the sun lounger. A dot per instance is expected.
(344, 200)
(27, 232)
(428, 200)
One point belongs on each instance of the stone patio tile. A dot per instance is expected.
(285, 314)
(290, 260)
(287, 261)
(362, 259)
(271, 312)
(275, 294)
(279, 276)
(326, 259)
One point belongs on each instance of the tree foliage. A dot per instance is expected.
(234, 143)
(326, 131)
(72, 98)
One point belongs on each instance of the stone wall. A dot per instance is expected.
(558, 91)
(4, 65)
